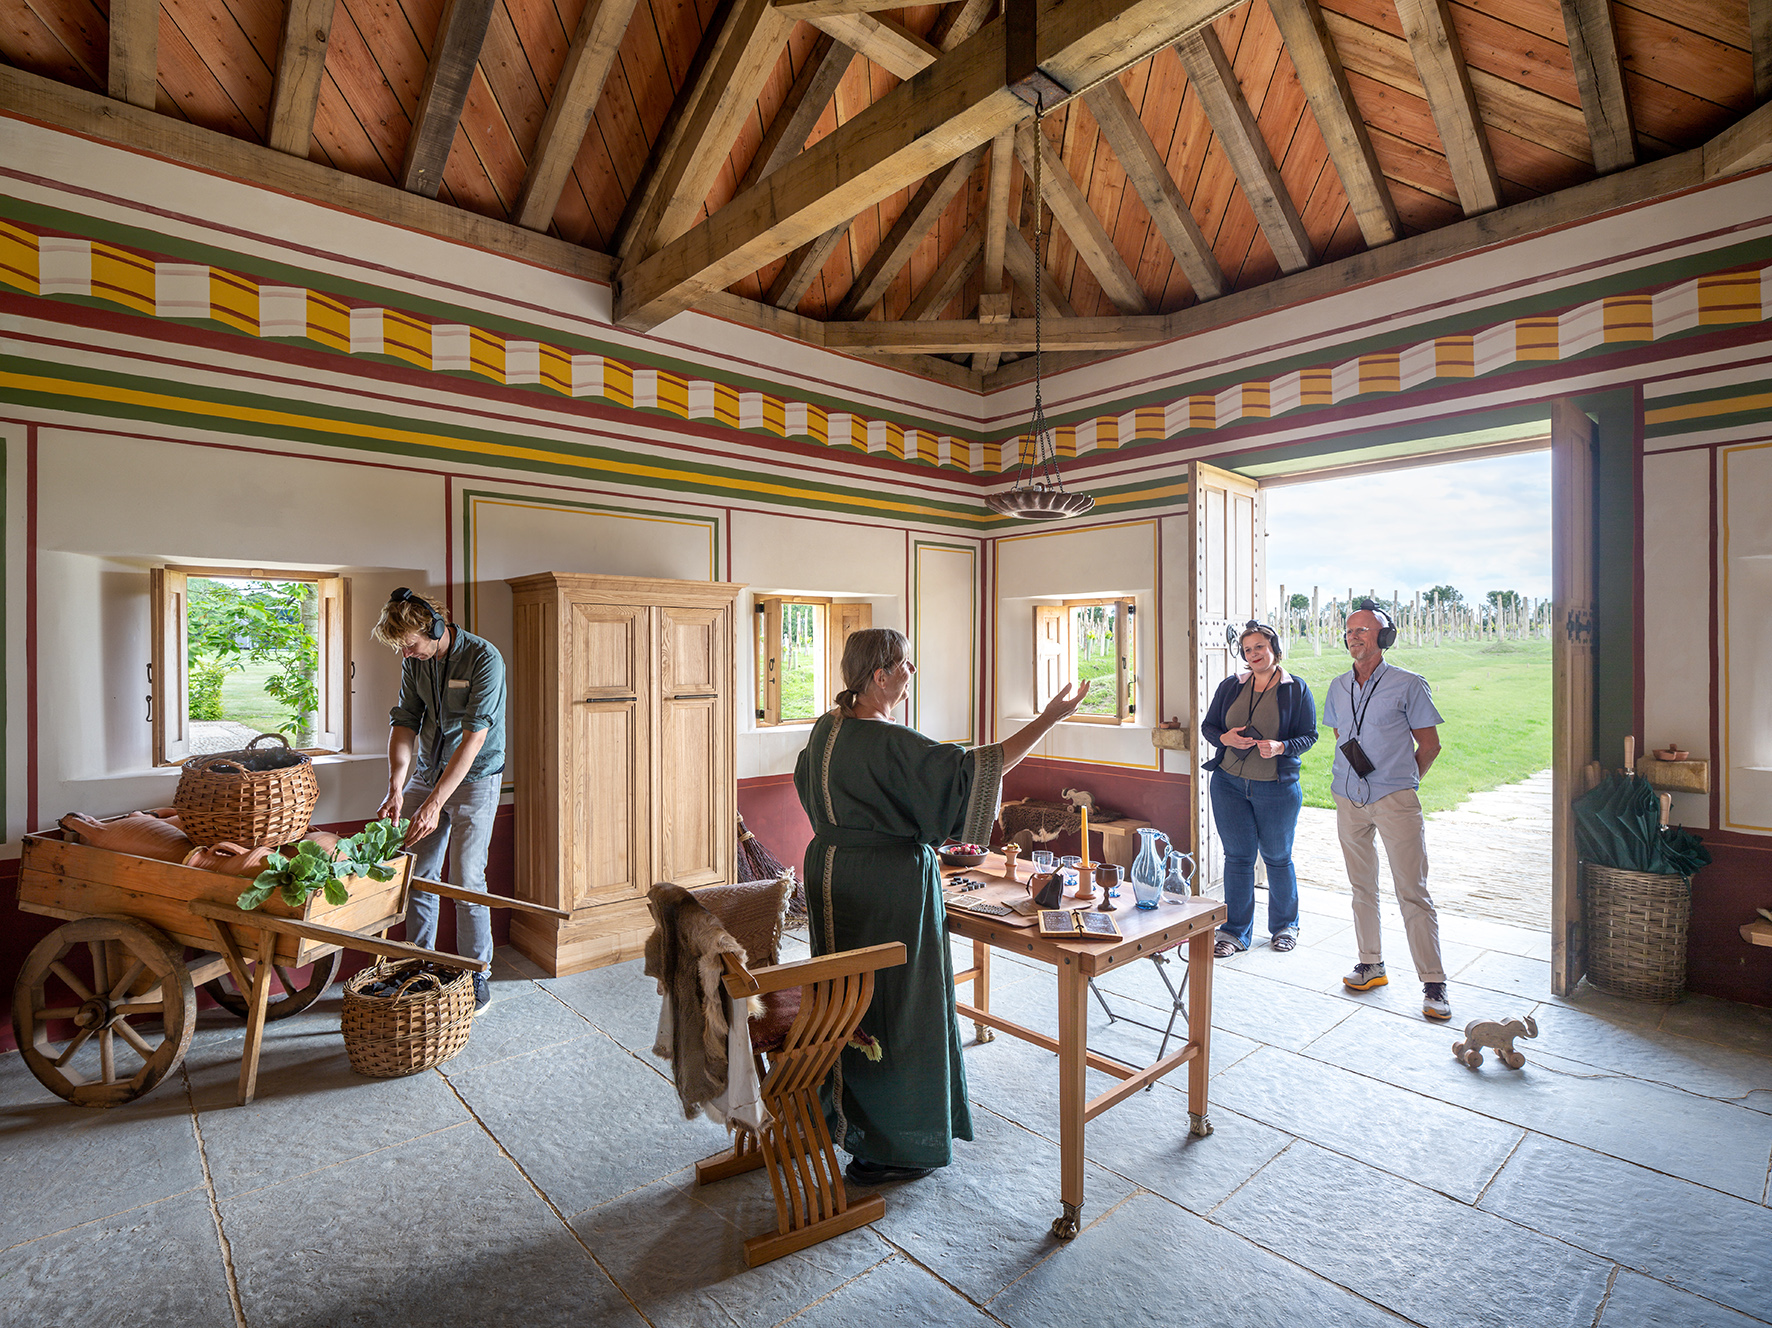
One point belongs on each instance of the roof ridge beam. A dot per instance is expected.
(461, 32)
(1439, 59)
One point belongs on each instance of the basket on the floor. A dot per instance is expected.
(422, 1024)
(1636, 931)
(253, 797)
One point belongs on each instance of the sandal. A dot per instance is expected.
(1225, 948)
(1284, 941)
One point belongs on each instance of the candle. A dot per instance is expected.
(1087, 865)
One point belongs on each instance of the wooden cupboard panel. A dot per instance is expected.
(691, 651)
(605, 851)
(607, 650)
(695, 820)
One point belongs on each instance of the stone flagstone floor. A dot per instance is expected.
(1358, 1174)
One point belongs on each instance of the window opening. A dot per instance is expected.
(800, 644)
(1093, 641)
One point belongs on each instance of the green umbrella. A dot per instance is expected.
(1618, 824)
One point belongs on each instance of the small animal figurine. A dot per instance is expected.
(1079, 798)
(1497, 1035)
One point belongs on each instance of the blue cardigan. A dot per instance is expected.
(1298, 722)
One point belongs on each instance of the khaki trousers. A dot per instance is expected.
(1397, 819)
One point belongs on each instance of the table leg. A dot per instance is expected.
(981, 989)
(1073, 1035)
(1199, 1028)
(255, 1016)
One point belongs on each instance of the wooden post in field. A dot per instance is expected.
(1316, 620)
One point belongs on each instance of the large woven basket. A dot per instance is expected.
(421, 1025)
(253, 797)
(1636, 932)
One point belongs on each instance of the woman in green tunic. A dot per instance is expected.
(881, 796)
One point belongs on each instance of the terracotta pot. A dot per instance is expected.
(324, 838)
(138, 833)
(229, 859)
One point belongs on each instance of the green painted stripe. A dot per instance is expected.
(245, 411)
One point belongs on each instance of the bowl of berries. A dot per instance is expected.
(963, 855)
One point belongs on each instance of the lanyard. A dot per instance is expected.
(1371, 691)
(439, 691)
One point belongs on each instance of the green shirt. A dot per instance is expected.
(461, 691)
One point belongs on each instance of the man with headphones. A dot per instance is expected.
(451, 715)
(1393, 737)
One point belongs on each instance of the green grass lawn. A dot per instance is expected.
(1497, 704)
(244, 700)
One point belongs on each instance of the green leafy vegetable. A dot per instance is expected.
(310, 869)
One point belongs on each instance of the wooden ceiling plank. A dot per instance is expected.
(737, 73)
(1210, 73)
(301, 68)
(79, 29)
(955, 105)
(1079, 223)
(32, 44)
(132, 74)
(1018, 258)
(940, 288)
(456, 50)
(802, 269)
(1599, 74)
(1344, 130)
(800, 110)
(892, 46)
(1759, 27)
(201, 95)
(595, 45)
(1155, 187)
(1433, 42)
(893, 252)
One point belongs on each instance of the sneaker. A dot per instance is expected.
(482, 994)
(1365, 977)
(860, 1171)
(1433, 1001)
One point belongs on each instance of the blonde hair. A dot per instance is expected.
(405, 617)
(866, 652)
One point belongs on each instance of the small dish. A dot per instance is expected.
(952, 856)
(1670, 754)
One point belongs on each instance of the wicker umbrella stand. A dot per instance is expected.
(1636, 932)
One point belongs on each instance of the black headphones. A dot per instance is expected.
(1387, 625)
(438, 626)
(1233, 637)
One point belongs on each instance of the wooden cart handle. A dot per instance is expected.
(448, 891)
(345, 940)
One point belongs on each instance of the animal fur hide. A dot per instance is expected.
(684, 955)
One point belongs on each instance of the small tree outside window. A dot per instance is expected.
(1093, 641)
(238, 656)
(799, 655)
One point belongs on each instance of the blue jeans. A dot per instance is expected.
(467, 821)
(1257, 815)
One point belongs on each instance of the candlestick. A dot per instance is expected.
(1086, 863)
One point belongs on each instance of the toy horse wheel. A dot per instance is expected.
(1473, 1058)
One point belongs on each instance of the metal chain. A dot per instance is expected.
(1041, 464)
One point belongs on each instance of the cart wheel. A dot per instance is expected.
(287, 995)
(97, 1057)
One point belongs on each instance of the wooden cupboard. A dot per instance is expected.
(622, 721)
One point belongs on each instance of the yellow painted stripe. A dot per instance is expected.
(233, 301)
(618, 382)
(18, 259)
(1698, 410)
(122, 278)
(329, 322)
(486, 354)
(258, 415)
(556, 369)
(406, 338)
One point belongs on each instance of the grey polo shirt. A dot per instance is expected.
(460, 691)
(1392, 702)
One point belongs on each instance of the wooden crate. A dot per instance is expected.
(65, 880)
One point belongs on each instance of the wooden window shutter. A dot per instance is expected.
(1051, 638)
(844, 620)
(769, 661)
(169, 591)
(1126, 675)
(332, 721)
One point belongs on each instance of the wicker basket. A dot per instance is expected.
(250, 797)
(421, 1025)
(1636, 932)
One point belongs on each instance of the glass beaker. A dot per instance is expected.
(1176, 881)
(1147, 868)
(1043, 861)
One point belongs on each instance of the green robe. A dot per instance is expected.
(880, 797)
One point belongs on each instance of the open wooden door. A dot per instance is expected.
(1229, 541)
(1572, 678)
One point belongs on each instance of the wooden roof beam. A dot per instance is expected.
(945, 283)
(1210, 72)
(1326, 87)
(1018, 258)
(1433, 42)
(461, 32)
(892, 46)
(895, 250)
(595, 45)
(799, 113)
(993, 308)
(996, 221)
(301, 69)
(953, 106)
(1599, 74)
(133, 73)
(1759, 28)
(802, 269)
(964, 336)
(1071, 210)
(1155, 187)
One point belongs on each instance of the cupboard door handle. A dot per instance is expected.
(601, 700)
(696, 696)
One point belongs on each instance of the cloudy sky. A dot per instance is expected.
(1477, 525)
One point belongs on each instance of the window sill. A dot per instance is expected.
(173, 771)
(1131, 725)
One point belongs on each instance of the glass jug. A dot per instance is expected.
(1147, 868)
(1176, 881)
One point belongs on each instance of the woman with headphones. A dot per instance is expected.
(1262, 721)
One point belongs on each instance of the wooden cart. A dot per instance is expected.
(138, 1003)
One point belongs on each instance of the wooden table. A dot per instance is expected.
(1146, 932)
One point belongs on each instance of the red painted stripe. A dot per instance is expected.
(449, 547)
(1638, 636)
(31, 730)
(1716, 650)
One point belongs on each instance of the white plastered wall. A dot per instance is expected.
(1676, 629)
(1745, 552)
